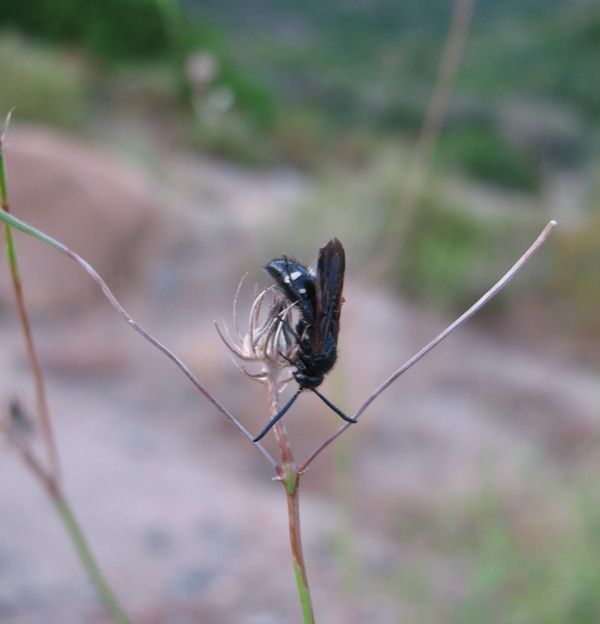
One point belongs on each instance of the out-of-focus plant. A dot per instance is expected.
(19, 426)
(129, 33)
(484, 155)
(46, 85)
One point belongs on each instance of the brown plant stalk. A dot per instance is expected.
(270, 345)
(40, 389)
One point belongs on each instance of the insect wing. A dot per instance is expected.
(329, 284)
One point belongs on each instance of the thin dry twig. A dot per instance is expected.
(22, 226)
(459, 321)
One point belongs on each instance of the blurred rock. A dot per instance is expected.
(87, 200)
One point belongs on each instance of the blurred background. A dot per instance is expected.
(180, 145)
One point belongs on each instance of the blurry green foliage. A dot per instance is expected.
(110, 30)
(119, 32)
(449, 253)
(577, 274)
(573, 49)
(454, 251)
(529, 567)
(251, 95)
(552, 54)
(371, 66)
(482, 154)
(233, 137)
(298, 136)
(406, 113)
(356, 67)
(498, 557)
(41, 84)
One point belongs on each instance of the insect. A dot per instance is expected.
(319, 300)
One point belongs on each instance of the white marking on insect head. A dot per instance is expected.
(292, 277)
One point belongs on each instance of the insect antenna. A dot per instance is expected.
(278, 416)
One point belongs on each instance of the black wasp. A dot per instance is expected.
(318, 297)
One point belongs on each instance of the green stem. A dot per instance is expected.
(8, 219)
(72, 527)
(292, 482)
(305, 601)
(104, 591)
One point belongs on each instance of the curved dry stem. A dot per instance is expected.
(459, 321)
(27, 229)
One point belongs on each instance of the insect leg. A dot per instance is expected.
(278, 416)
(333, 407)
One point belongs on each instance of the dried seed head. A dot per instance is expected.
(269, 341)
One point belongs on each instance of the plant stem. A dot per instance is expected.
(71, 525)
(289, 475)
(50, 478)
(293, 500)
(104, 591)
(36, 371)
